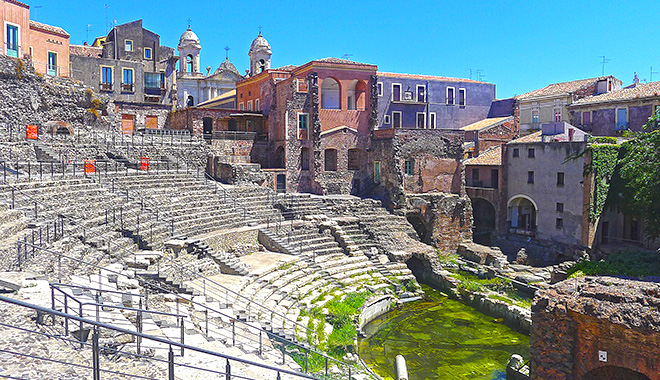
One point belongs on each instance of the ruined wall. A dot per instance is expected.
(447, 219)
(587, 327)
(144, 110)
(27, 98)
(436, 158)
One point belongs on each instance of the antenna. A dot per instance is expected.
(603, 62)
(227, 52)
(651, 76)
(106, 18)
(347, 56)
(470, 74)
(480, 75)
(87, 33)
(33, 9)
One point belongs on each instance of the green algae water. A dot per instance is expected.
(440, 339)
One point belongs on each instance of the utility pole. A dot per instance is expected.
(603, 62)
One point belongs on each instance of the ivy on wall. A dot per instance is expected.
(604, 159)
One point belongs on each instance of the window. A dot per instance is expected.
(396, 92)
(106, 78)
(461, 97)
(396, 119)
(421, 93)
(303, 125)
(421, 120)
(128, 45)
(304, 159)
(330, 160)
(330, 94)
(52, 63)
(248, 126)
(379, 87)
(621, 119)
(409, 167)
(189, 64)
(386, 119)
(249, 105)
(560, 207)
(475, 175)
(241, 106)
(557, 115)
(127, 80)
(516, 152)
(147, 53)
(376, 171)
(535, 116)
(530, 177)
(191, 101)
(531, 153)
(560, 179)
(432, 120)
(586, 117)
(152, 80)
(256, 105)
(249, 93)
(451, 96)
(494, 178)
(12, 40)
(559, 223)
(354, 159)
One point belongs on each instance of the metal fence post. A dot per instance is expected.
(233, 332)
(170, 364)
(183, 331)
(228, 371)
(95, 355)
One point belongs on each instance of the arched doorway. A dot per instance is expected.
(420, 227)
(483, 213)
(330, 94)
(207, 126)
(613, 373)
(522, 214)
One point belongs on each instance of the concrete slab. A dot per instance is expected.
(14, 280)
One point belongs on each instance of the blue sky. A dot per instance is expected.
(518, 45)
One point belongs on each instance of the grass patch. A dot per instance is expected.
(627, 263)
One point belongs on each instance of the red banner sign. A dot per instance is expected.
(32, 132)
(145, 163)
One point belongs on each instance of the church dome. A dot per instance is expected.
(227, 66)
(189, 38)
(260, 44)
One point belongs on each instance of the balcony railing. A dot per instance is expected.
(127, 87)
(106, 86)
(481, 184)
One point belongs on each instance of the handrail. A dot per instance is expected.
(156, 286)
(153, 338)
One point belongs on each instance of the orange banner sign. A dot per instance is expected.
(90, 166)
(145, 163)
(32, 132)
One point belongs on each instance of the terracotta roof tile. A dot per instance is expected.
(532, 138)
(491, 157)
(85, 50)
(561, 88)
(486, 123)
(429, 77)
(640, 90)
(49, 28)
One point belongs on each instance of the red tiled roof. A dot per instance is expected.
(532, 138)
(486, 123)
(429, 77)
(49, 28)
(640, 90)
(561, 88)
(18, 3)
(491, 157)
(85, 50)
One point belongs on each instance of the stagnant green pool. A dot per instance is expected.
(441, 339)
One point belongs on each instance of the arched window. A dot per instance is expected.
(361, 95)
(262, 65)
(330, 94)
(191, 101)
(330, 160)
(189, 63)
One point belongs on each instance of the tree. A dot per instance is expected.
(640, 174)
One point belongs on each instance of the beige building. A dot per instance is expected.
(548, 104)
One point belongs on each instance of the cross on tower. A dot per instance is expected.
(189, 22)
(227, 51)
(260, 29)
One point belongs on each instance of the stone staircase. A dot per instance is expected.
(228, 263)
(301, 241)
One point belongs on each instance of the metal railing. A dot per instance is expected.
(98, 327)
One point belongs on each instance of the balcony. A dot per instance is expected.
(105, 86)
(127, 87)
